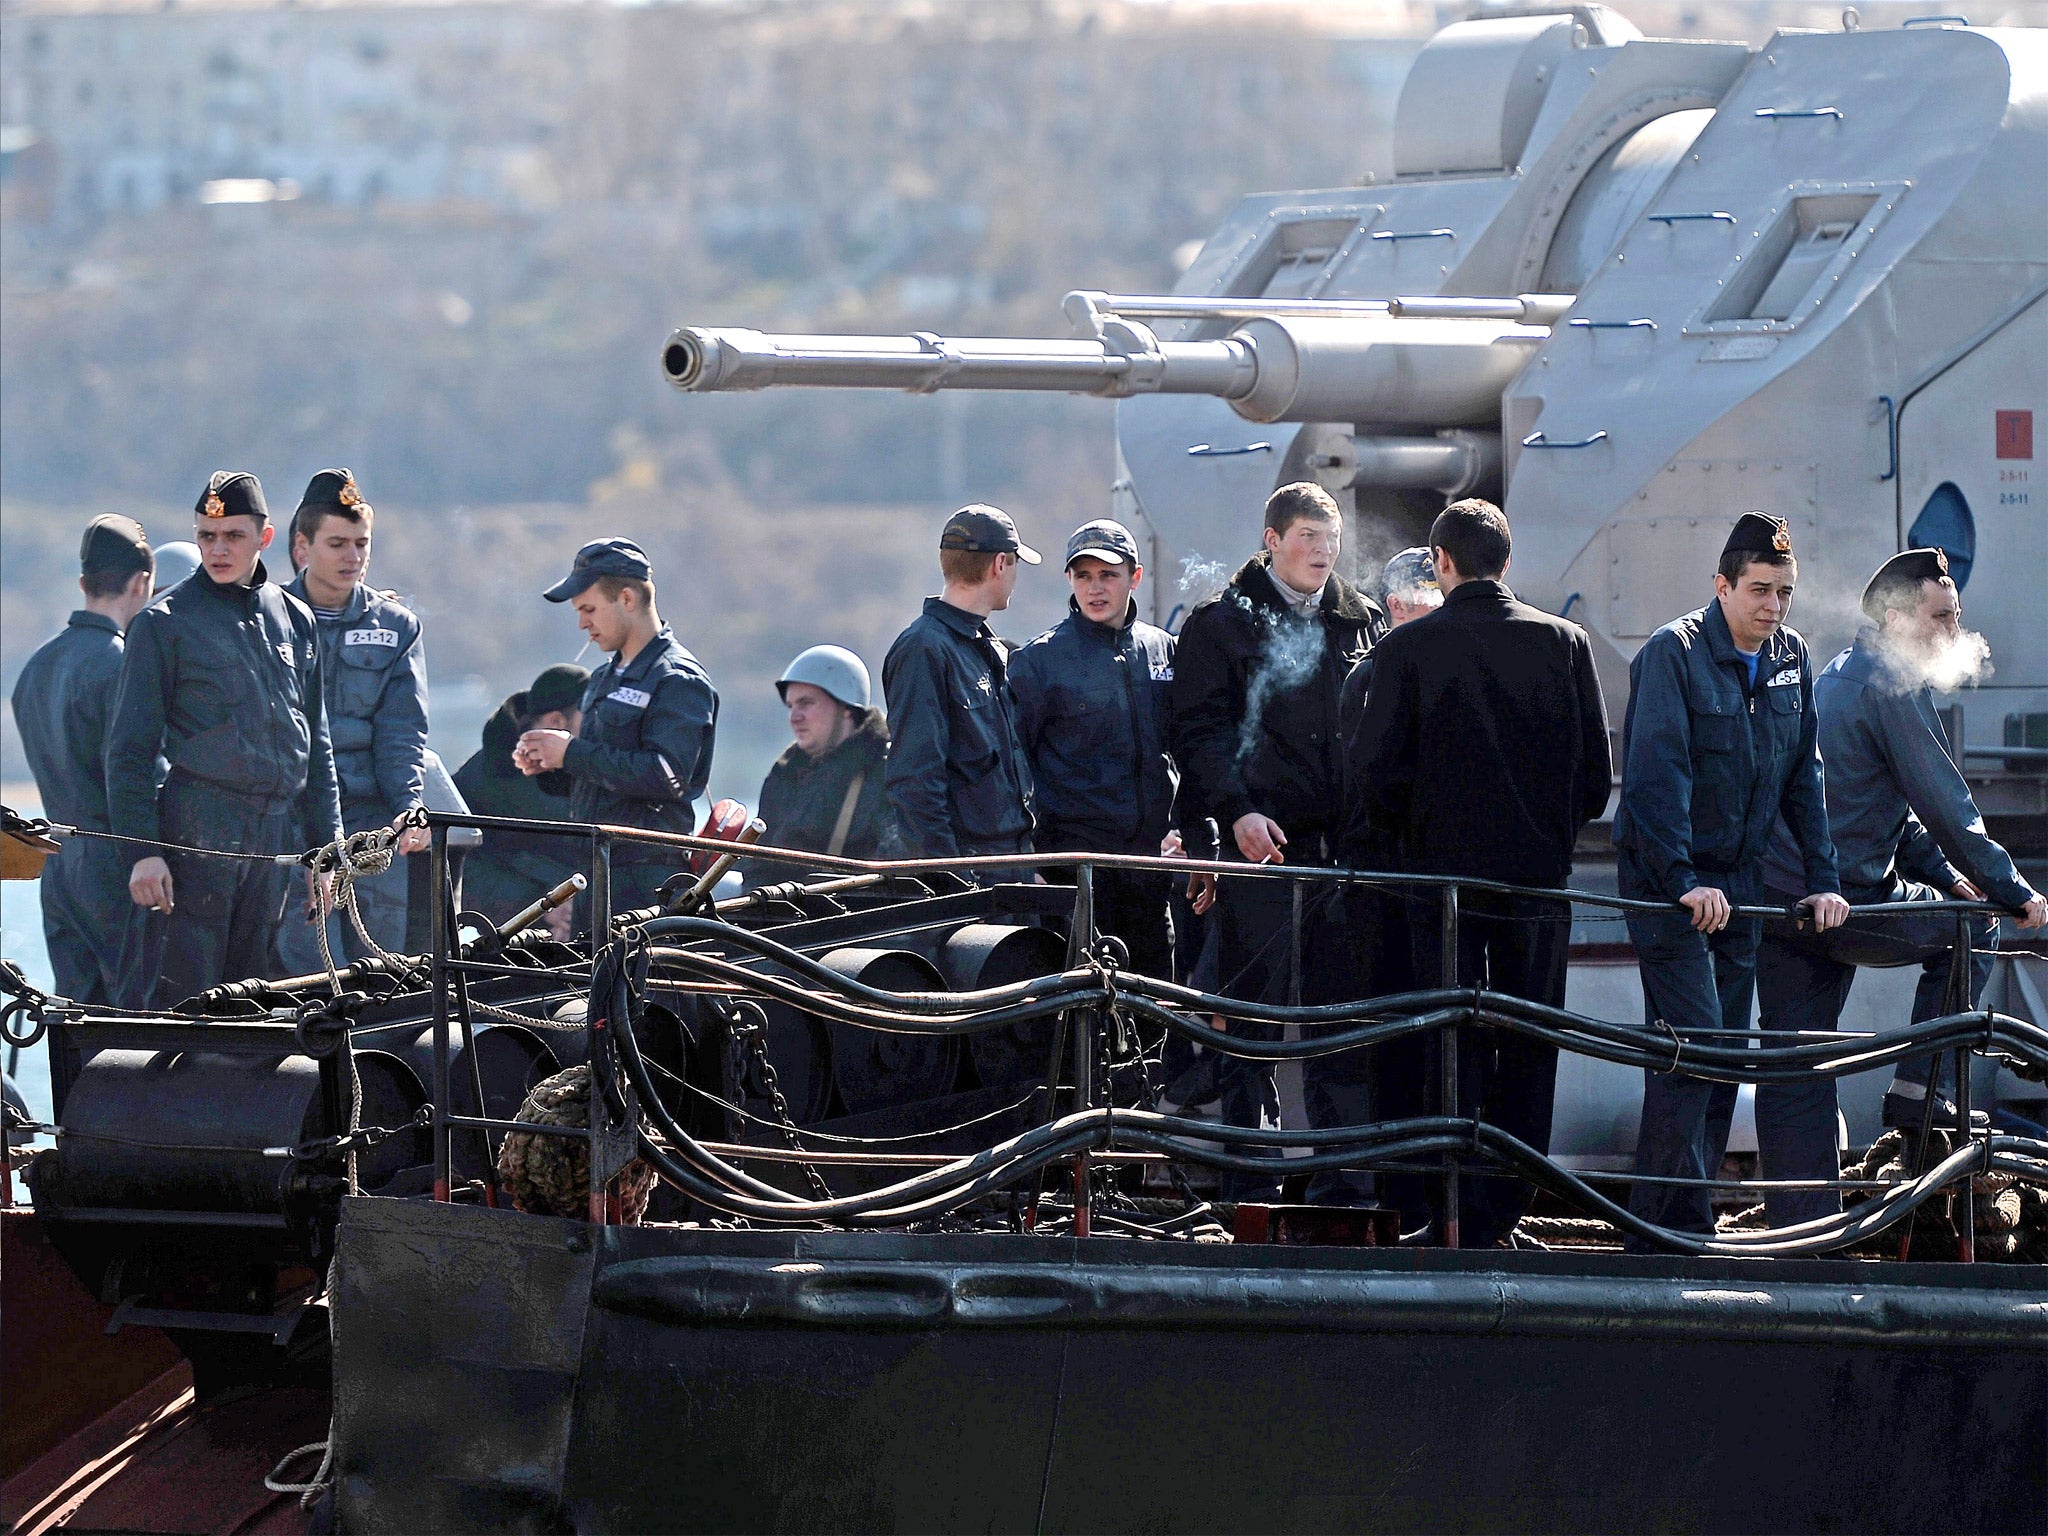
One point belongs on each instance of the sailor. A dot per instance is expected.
(373, 669)
(1375, 919)
(826, 793)
(1092, 714)
(1255, 731)
(1720, 740)
(650, 719)
(222, 678)
(61, 702)
(510, 869)
(958, 779)
(1906, 829)
(1482, 752)
(1408, 587)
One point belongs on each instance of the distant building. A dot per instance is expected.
(129, 110)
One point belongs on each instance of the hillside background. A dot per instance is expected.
(442, 245)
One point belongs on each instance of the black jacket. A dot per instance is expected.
(61, 703)
(1482, 749)
(509, 869)
(958, 778)
(224, 681)
(644, 752)
(802, 797)
(1254, 701)
(1092, 714)
(1710, 761)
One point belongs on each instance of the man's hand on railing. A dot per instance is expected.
(1201, 888)
(1827, 910)
(1708, 906)
(411, 838)
(2035, 914)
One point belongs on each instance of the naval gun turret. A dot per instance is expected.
(1632, 287)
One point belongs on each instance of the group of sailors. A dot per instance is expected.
(1445, 729)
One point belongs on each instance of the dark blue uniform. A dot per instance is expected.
(642, 756)
(509, 869)
(958, 778)
(61, 703)
(373, 673)
(1711, 760)
(1906, 828)
(224, 682)
(1092, 716)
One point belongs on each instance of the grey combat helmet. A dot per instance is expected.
(174, 562)
(831, 668)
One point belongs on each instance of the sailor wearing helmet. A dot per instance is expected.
(828, 792)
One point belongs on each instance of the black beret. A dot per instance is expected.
(333, 488)
(1755, 533)
(232, 493)
(560, 687)
(1909, 567)
(114, 546)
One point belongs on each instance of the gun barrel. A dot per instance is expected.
(1434, 370)
(705, 359)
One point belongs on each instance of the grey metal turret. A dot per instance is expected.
(1633, 287)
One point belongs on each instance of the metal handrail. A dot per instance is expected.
(969, 864)
(1466, 1007)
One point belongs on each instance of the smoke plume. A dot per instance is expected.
(1292, 651)
(1199, 577)
(1949, 662)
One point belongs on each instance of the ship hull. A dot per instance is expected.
(500, 1371)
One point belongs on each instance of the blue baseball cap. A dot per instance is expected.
(1103, 540)
(601, 557)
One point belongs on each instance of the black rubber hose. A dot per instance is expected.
(1625, 1045)
(907, 1013)
(949, 1187)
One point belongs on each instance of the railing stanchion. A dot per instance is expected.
(600, 937)
(1447, 1064)
(1966, 1221)
(1294, 944)
(1083, 942)
(440, 940)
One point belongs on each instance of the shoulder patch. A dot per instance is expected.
(385, 637)
(632, 698)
